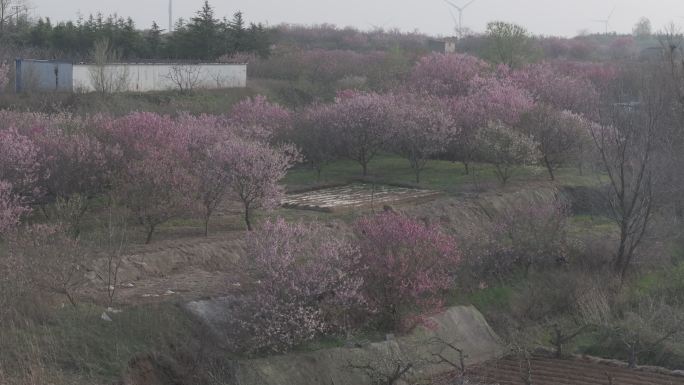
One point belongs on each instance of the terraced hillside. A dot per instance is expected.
(549, 371)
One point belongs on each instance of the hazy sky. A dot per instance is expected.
(548, 17)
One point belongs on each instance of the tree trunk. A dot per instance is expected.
(71, 299)
(549, 168)
(558, 343)
(632, 362)
(150, 231)
(619, 265)
(466, 165)
(365, 168)
(248, 219)
(206, 225)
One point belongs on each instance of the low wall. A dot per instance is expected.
(159, 77)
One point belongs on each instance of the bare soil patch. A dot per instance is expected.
(183, 270)
(354, 196)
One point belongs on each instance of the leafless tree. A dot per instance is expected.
(105, 77)
(53, 259)
(11, 9)
(184, 77)
(561, 336)
(69, 213)
(384, 368)
(672, 67)
(115, 240)
(220, 79)
(627, 142)
(644, 327)
(444, 350)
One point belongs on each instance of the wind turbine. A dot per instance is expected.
(606, 21)
(460, 10)
(170, 16)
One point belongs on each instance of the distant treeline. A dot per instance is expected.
(203, 37)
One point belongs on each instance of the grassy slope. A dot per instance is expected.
(78, 344)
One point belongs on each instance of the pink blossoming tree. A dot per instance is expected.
(492, 98)
(550, 86)
(505, 148)
(255, 172)
(409, 267)
(155, 183)
(208, 151)
(307, 284)
(361, 123)
(20, 164)
(422, 129)
(258, 119)
(312, 135)
(561, 135)
(446, 75)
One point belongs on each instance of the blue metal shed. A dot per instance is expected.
(43, 75)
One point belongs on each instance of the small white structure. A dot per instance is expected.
(447, 45)
(161, 77)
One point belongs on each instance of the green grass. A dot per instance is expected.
(438, 175)
(582, 224)
(78, 342)
(163, 102)
(496, 296)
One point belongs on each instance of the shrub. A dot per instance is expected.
(524, 234)
(537, 231)
(19, 163)
(4, 75)
(53, 260)
(11, 209)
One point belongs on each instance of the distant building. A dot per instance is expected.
(447, 45)
(43, 75)
(50, 75)
(649, 53)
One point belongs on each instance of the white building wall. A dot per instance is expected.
(161, 77)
